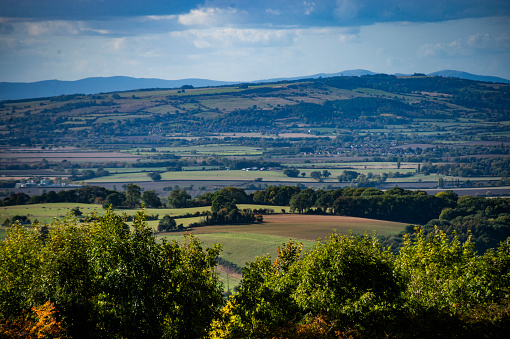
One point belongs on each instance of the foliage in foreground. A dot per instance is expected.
(347, 287)
(103, 280)
(107, 281)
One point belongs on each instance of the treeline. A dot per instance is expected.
(488, 220)
(86, 195)
(498, 167)
(105, 280)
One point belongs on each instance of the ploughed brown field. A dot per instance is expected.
(308, 227)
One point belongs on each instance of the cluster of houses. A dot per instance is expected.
(44, 183)
(261, 169)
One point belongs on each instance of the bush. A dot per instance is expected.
(106, 280)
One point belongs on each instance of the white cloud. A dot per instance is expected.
(209, 17)
(158, 17)
(309, 7)
(484, 41)
(232, 37)
(117, 44)
(468, 45)
(45, 28)
(273, 11)
(346, 9)
(51, 28)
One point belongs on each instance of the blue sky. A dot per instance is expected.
(243, 40)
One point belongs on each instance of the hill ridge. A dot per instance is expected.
(94, 85)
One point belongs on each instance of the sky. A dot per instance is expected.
(246, 40)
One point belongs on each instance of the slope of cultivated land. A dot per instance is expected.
(243, 243)
(240, 248)
(307, 227)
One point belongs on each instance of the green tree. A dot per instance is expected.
(68, 275)
(178, 198)
(107, 280)
(291, 172)
(150, 199)
(316, 175)
(437, 273)
(76, 211)
(167, 223)
(114, 199)
(302, 201)
(440, 182)
(133, 194)
(21, 260)
(155, 176)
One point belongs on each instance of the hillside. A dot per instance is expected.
(49, 88)
(336, 106)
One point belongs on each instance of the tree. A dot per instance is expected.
(178, 198)
(316, 175)
(167, 223)
(326, 174)
(347, 279)
(291, 172)
(133, 195)
(440, 182)
(348, 176)
(108, 281)
(76, 211)
(345, 270)
(114, 199)
(220, 202)
(155, 176)
(150, 199)
(302, 201)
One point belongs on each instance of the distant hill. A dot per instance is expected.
(348, 73)
(469, 76)
(49, 88)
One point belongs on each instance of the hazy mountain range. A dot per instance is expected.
(49, 88)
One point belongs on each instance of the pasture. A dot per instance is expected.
(46, 213)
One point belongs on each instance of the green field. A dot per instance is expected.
(210, 149)
(240, 248)
(46, 213)
(199, 175)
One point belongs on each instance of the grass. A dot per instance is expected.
(240, 248)
(225, 175)
(46, 213)
(211, 149)
(3, 232)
